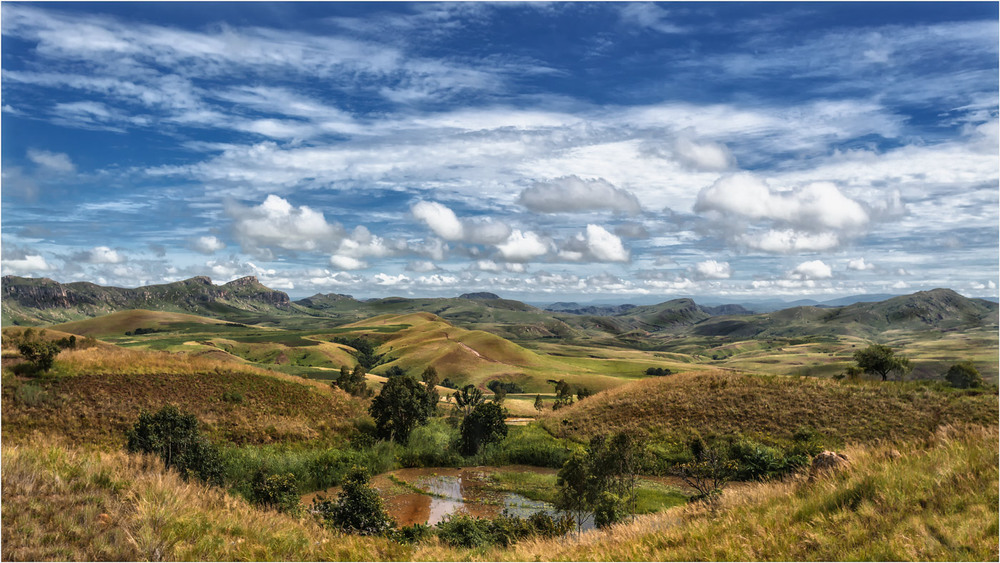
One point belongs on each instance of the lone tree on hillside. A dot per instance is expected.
(400, 407)
(430, 379)
(539, 405)
(485, 424)
(468, 398)
(964, 376)
(881, 360)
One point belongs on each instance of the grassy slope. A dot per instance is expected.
(720, 403)
(105, 388)
(122, 321)
(937, 501)
(60, 503)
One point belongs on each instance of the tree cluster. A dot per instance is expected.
(353, 381)
(601, 480)
(174, 436)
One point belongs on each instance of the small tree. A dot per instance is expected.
(499, 395)
(564, 395)
(399, 408)
(353, 382)
(964, 375)
(582, 393)
(174, 436)
(539, 405)
(41, 353)
(468, 398)
(280, 492)
(485, 424)
(881, 360)
(708, 473)
(430, 379)
(577, 492)
(358, 509)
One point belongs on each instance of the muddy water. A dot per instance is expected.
(447, 491)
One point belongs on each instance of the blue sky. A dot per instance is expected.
(625, 151)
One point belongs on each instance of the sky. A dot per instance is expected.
(631, 152)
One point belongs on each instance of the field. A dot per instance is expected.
(262, 393)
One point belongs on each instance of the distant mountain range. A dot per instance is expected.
(38, 301)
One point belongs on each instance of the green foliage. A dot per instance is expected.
(430, 379)
(882, 361)
(353, 382)
(430, 446)
(399, 408)
(964, 376)
(358, 509)
(280, 492)
(582, 393)
(507, 386)
(539, 405)
(504, 530)
(364, 351)
(468, 398)
(174, 436)
(609, 509)
(231, 396)
(447, 382)
(484, 425)
(564, 395)
(413, 534)
(708, 474)
(528, 445)
(41, 353)
(658, 371)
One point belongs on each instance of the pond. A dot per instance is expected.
(429, 495)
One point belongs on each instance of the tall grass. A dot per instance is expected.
(528, 445)
(63, 504)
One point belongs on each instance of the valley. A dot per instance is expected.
(263, 376)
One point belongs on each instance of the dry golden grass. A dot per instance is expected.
(724, 404)
(937, 501)
(63, 504)
(97, 393)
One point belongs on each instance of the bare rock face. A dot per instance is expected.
(828, 461)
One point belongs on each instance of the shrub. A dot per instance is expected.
(964, 376)
(464, 531)
(230, 396)
(484, 425)
(503, 530)
(358, 509)
(430, 446)
(609, 509)
(41, 353)
(280, 492)
(658, 371)
(415, 533)
(507, 386)
(174, 436)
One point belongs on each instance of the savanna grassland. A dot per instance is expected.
(765, 391)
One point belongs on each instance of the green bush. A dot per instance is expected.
(609, 509)
(174, 436)
(415, 533)
(964, 376)
(464, 531)
(233, 397)
(431, 445)
(504, 530)
(358, 509)
(484, 425)
(280, 492)
(41, 353)
(527, 445)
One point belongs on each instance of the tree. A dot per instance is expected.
(602, 480)
(881, 360)
(358, 509)
(708, 473)
(174, 436)
(430, 379)
(485, 424)
(539, 405)
(499, 395)
(400, 407)
(467, 398)
(577, 493)
(280, 492)
(42, 353)
(582, 393)
(964, 375)
(353, 382)
(564, 395)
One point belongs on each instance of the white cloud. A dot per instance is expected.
(207, 244)
(860, 265)
(389, 279)
(789, 241)
(277, 224)
(440, 219)
(813, 270)
(712, 270)
(347, 262)
(703, 155)
(421, 266)
(521, 247)
(573, 194)
(816, 206)
(58, 162)
(605, 246)
(362, 243)
(104, 255)
(29, 264)
(488, 266)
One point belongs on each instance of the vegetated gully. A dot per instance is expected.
(449, 491)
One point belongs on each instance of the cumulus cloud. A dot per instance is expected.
(347, 262)
(703, 156)
(421, 266)
(27, 264)
(605, 246)
(440, 219)
(789, 241)
(573, 194)
(522, 246)
(103, 255)
(712, 270)
(362, 243)
(812, 270)
(277, 224)
(55, 161)
(207, 244)
(817, 206)
(860, 265)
